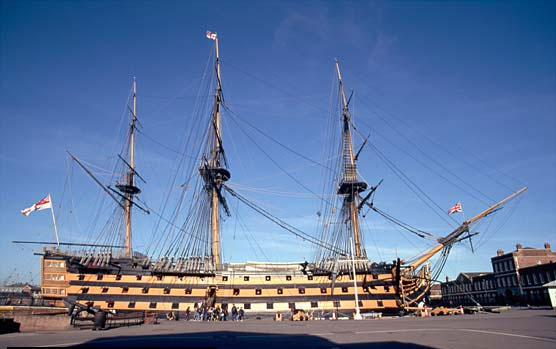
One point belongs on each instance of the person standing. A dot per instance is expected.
(234, 313)
(241, 313)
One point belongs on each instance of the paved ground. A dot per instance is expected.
(513, 329)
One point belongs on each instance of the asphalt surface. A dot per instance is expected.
(513, 329)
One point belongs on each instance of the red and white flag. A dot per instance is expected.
(455, 208)
(211, 35)
(40, 205)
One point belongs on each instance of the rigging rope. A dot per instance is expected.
(304, 236)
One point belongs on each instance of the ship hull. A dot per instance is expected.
(124, 285)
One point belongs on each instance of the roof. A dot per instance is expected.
(475, 274)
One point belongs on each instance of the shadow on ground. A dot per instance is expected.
(230, 339)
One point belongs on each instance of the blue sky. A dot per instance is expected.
(464, 88)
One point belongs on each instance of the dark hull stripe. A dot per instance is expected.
(230, 300)
(223, 286)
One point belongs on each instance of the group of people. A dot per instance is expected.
(203, 312)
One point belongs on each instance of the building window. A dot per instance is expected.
(247, 306)
(336, 304)
(360, 303)
(84, 290)
(175, 305)
(139, 277)
(267, 278)
(365, 288)
(99, 277)
(280, 291)
(314, 304)
(167, 290)
(55, 277)
(105, 290)
(125, 289)
(131, 305)
(90, 304)
(224, 278)
(188, 290)
(344, 289)
(159, 277)
(258, 291)
(309, 277)
(81, 277)
(236, 291)
(152, 305)
(269, 305)
(118, 277)
(386, 288)
(302, 290)
(291, 305)
(145, 290)
(379, 303)
(246, 278)
(110, 304)
(375, 276)
(323, 290)
(288, 278)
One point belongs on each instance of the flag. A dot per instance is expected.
(455, 208)
(211, 35)
(40, 205)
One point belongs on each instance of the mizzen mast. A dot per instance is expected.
(213, 169)
(350, 186)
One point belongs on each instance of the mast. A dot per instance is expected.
(350, 186)
(130, 180)
(212, 171)
(214, 195)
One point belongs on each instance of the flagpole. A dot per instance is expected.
(54, 220)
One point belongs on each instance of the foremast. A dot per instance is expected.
(350, 186)
(213, 169)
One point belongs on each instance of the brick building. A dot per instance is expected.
(517, 277)
(533, 282)
(470, 289)
(507, 268)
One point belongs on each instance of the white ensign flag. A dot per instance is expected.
(40, 205)
(211, 35)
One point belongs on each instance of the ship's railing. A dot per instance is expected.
(184, 265)
(345, 266)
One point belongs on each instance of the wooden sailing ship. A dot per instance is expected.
(341, 278)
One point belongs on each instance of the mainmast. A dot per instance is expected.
(213, 171)
(350, 186)
(129, 189)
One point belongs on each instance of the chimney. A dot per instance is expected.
(499, 252)
(518, 247)
(547, 246)
(447, 278)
